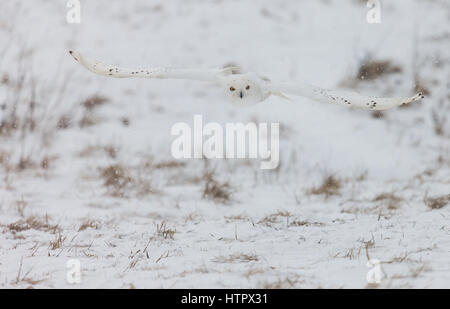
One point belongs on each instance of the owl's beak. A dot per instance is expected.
(241, 94)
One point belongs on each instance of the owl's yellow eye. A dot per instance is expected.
(248, 87)
(232, 89)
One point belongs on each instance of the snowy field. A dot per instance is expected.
(86, 171)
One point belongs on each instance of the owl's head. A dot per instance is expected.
(243, 89)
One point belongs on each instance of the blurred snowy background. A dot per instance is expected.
(86, 171)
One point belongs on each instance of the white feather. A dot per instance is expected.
(248, 88)
(340, 97)
(109, 70)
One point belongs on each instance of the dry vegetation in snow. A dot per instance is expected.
(86, 172)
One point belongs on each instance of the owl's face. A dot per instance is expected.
(242, 90)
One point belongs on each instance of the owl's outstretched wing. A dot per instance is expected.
(104, 69)
(347, 98)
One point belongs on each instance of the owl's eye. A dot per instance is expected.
(248, 87)
(232, 89)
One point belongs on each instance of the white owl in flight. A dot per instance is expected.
(249, 88)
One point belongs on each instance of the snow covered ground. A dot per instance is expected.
(86, 171)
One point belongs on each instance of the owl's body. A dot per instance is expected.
(249, 88)
(245, 89)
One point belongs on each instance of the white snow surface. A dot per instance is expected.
(273, 232)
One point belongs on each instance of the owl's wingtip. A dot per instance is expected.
(75, 55)
(418, 96)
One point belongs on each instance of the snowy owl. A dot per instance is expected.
(249, 88)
